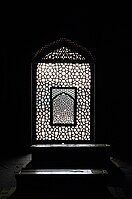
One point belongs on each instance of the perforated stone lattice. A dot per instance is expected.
(64, 53)
(61, 75)
(63, 106)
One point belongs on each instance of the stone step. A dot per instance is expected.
(60, 182)
(70, 155)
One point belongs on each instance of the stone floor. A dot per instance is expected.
(9, 166)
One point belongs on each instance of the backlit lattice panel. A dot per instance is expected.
(65, 75)
(64, 53)
(63, 106)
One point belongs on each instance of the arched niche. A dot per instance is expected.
(63, 94)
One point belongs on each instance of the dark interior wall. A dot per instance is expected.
(106, 33)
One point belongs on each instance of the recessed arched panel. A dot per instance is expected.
(63, 110)
(63, 106)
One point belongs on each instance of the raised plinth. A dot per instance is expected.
(70, 156)
(60, 182)
(66, 171)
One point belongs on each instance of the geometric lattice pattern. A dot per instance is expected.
(69, 91)
(63, 75)
(63, 106)
(64, 53)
